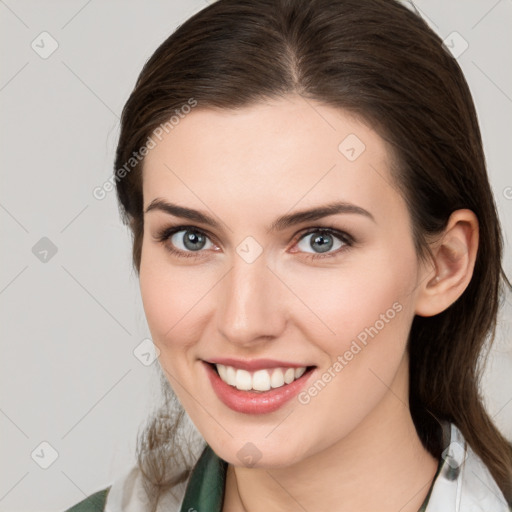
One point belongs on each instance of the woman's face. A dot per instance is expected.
(250, 288)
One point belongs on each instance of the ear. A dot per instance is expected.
(454, 260)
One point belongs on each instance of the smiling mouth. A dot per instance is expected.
(259, 381)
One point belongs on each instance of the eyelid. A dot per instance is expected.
(165, 233)
(342, 235)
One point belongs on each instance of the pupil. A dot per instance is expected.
(192, 239)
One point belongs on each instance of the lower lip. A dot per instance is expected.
(251, 402)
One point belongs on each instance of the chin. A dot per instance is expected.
(252, 454)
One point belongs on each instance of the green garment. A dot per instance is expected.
(93, 503)
(205, 488)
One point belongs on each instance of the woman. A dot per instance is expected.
(319, 257)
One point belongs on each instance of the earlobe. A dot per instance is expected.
(454, 261)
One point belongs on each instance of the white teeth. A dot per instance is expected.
(299, 372)
(243, 380)
(277, 379)
(260, 380)
(289, 375)
(230, 375)
(222, 372)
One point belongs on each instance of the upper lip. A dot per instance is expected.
(255, 364)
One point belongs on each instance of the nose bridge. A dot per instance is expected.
(250, 302)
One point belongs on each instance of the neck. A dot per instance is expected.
(381, 465)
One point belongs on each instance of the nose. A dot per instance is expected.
(251, 309)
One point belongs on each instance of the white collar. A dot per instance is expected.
(464, 483)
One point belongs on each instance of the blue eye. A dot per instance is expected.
(189, 242)
(324, 241)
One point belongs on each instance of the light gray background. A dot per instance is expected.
(69, 325)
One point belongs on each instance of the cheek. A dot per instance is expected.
(370, 314)
(357, 301)
(171, 298)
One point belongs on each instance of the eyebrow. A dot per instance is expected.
(280, 224)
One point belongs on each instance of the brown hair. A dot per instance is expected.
(380, 61)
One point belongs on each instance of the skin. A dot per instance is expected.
(246, 168)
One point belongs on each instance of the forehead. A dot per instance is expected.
(288, 152)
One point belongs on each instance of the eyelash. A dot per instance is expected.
(164, 235)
